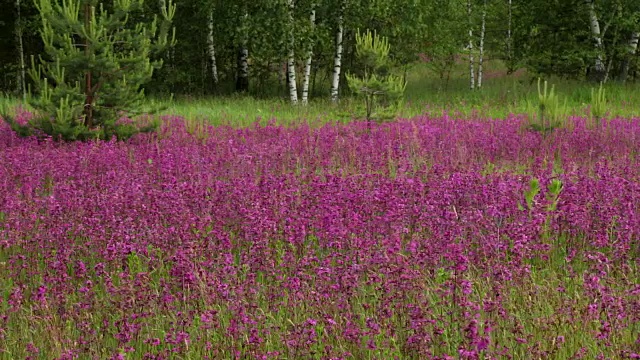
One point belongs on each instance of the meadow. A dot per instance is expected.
(453, 232)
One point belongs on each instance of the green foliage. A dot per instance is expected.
(373, 53)
(134, 264)
(549, 44)
(550, 110)
(531, 193)
(444, 38)
(541, 40)
(553, 194)
(96, 61)
(554, 189)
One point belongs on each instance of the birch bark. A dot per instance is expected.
(307, 67)
(291, 62)
(337, 61)
(242, 82)
(212, 51)
(632, 49)
(481, 55)
(242, 77)
(599, 67)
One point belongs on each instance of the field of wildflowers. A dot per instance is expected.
(424, 238)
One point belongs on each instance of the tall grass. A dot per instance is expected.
(500, 96)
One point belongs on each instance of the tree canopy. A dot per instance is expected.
(220, 41)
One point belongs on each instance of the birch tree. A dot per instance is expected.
(599, 67)
(307, 67)
(337, 60)
(242, 81)
(291, 61)
(481, 54)
(212, 50)
(632, 48)
(242, 76)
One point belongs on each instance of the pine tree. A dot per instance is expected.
(95, 62)
(376, 81)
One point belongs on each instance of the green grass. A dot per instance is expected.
(500, 95)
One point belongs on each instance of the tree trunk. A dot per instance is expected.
(291, 63)
(472, 82)
(632, 48)
(22, 82)
(212, 51)
(337, 61)
(242, 76)
(307, 68)
(481, 55)
(614, 44)
(599, 68)
(607, 71)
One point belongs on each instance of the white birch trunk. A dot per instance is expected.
(472, 83)
(481, 55)
(22, 82)
(337, 61)
(212, 51)
(597, 37)
(632, 49)
(633, 43)
(291, 63)
(242, 81)
(307, 67)
(243, 68)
